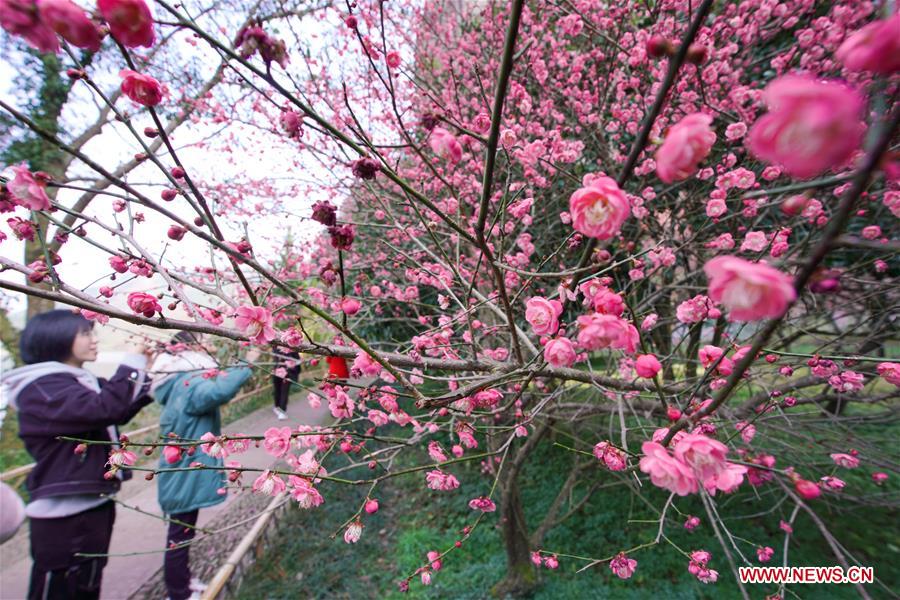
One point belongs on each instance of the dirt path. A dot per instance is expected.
(145, 535)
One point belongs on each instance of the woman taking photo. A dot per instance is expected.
(70, 508)
(191, 389)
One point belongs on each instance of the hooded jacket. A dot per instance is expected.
(54, 399)
(191, 404)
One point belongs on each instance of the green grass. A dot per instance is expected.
(413, 520)
(12, 451)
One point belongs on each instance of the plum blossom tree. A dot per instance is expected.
(531, 218)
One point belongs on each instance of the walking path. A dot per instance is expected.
(135, 532)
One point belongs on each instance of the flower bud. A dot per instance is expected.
(168, 194)
(697, 54)
(151, 132)
(658, 46)
(177, 172)
(176, 233)
(371, 506)
(807, 489)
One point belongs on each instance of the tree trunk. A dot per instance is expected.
(41, 155)
(35, 251)
(520, 573)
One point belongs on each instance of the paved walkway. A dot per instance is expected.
(136, 532)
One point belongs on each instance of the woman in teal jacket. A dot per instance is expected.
(190, 408)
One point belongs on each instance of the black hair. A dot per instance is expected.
(185, 337)
(50, 335)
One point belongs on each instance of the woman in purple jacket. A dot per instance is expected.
(70, 511)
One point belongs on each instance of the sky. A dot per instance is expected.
(87, 267)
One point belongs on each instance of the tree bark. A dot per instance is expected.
(520, 577)
(520, 573)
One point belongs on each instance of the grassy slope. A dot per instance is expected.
(414, 520)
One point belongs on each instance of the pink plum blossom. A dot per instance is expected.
(622, 566)
(444, 144)
(142, 89)
(483, 503)
(121, 457)
(130, 21)
(304, 493)
(353, 532)
(812, 125)
(543, 315)
(845, 460)
(599, 209)
(277, 441)
(22, 18)
(350, 306)
(214, 446)
(599, 331)
(171, 454)
(666, 471)
(341, 404)
(750, 291)
(612, 457)
(144, 304)
(256, 322)
(436, 453)
(704, 455)
(365, 365)
(687, 144)
(71, 23)
(440, 480)
(807, 489)
(832, 483)
(560, 352)
(269, 484)
(875, 47)
(647, 366)
(890, 372)
(26, 190)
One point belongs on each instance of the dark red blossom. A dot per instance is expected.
(365, 168)
(430, 121)
(325, 213)
(253, 38)
(341, 236)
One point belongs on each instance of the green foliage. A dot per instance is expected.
(52, 92)
(12, 451)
